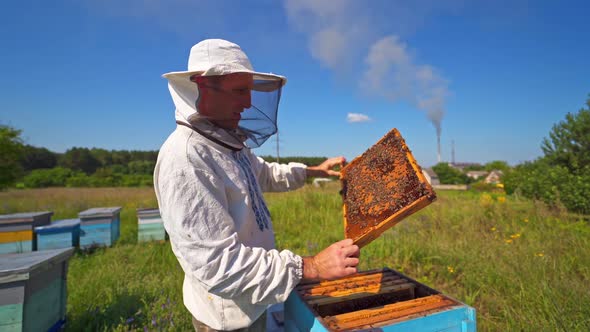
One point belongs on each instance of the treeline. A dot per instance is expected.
(26, 166)
(83, 167)
(309, 161)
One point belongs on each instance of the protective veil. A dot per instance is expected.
(217, 57)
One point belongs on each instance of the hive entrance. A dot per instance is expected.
(381, 187)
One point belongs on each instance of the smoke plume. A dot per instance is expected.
(345, 34)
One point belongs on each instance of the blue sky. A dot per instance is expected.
(496, 75)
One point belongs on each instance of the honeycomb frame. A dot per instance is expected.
(381, 187)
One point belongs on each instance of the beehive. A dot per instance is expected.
(99, 227)
(381, 187)
(33, 290)
(17, 231)
(149, 225)
(59, 234)
(384, 300)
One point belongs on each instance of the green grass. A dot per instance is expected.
(522, 265)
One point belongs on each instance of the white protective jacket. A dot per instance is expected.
(210, 199)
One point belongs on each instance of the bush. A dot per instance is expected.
(551, 184)
(54, 177)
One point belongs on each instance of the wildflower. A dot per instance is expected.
(501, 199)
(129, 320)
(526, 220)
(485, 200)
(508, 240)
(515, 236)
(493, 229)
(540, 254)
(450, 269)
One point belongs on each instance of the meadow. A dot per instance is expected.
(522, 265)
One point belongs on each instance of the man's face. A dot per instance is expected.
(224, 98)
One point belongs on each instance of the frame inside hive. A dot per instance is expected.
(381, 187)
(370, 299)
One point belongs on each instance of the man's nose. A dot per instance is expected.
(246, 100)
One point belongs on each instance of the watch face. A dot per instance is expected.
(382, 187)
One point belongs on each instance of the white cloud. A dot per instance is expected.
(357, 117)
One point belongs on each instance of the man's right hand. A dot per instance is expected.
(338, 260)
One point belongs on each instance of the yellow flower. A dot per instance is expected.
(515, 236)
(508, 240)
(493, 229)
(540, 254)
(526, 220)
(486, 200)
(450, 269)
(501, 199)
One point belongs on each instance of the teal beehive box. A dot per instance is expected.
(59, 234)
(99, 227)
(149, 225)
(379, 300)
(33, 290)
(17, 231)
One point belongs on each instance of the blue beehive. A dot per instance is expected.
(99, 227)
(17, 231)
(33, 290)
(381, 300)
(149, 225)
(59, 234)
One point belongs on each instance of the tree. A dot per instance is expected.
(11, 149)
(79, 159)
(497, 165)
(36, 158)
(569, 141)
(449, 175)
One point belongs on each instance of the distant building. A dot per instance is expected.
(431, 176)
(494, 177)
(476, 174)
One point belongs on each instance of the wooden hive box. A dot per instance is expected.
(59, 234)
(149, 225)
(99, 227)
(17, 231)
(33, 290)
(379, 300)
(381, 187)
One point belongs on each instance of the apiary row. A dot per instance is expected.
(96, 227)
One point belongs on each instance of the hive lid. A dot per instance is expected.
(381, 187)
(42, 217)
(15, 267)
(59, 224)
(100, 212)
(148, 212)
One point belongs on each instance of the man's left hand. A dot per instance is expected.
(326, 168)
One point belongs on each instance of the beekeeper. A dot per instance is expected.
(209, 188)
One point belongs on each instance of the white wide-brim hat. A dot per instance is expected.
(213, 57)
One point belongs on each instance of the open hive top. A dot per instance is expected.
(370, 299)
(381, 187)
